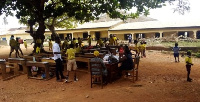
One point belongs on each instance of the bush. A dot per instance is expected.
(197, 55)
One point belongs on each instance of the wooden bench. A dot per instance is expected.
(12, 66)
(20, 61)
(84, 59)
(44, 65)
(113, 71)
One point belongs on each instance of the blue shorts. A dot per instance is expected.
(176, 54)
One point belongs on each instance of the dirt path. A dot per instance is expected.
(160, 80)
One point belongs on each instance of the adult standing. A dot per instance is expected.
(58, 60)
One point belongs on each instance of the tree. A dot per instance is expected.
(39, 11)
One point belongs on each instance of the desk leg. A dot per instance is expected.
(88, 66)
(47, 72)
(29, 74)
(3, 67)
(24, 68)
(16, 69)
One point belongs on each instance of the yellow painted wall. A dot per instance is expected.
(120, 36)
(104, 34)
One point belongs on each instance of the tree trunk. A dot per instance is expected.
(53, 31)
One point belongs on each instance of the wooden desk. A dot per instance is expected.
(21, 61)
(44, 65)
(4, 65)
(113, 71)
(3, 68)
(28, 58)
(83, 59)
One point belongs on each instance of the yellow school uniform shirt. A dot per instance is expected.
(142, 47)
(78, 49)
(70, 53)
(25, 44)
(136, 48)
(100, 42)
(114, 38)
(13, 43)
(37, 50)
(111, 41)
(188, 59)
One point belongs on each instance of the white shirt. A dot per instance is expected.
(56, 48)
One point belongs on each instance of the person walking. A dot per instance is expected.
(13, 46)
(18, 47)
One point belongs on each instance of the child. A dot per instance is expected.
(25, 44)
(141, 49)
(18, 47)
(37, 50)
(89, 40)
(71, 63)
(99, 42)
(176, 52)
(50, 45)
(189, 63)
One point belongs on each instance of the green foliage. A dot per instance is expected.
(66, 13)
(197, 55)
(181, 44)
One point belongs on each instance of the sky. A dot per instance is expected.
(166, 13)
(162, 14)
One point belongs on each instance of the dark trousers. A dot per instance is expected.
(59, 68)
(188, 68)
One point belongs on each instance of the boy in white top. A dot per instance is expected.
(58, 60)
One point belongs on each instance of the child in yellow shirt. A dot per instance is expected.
(188, 61)
(141, 49)
(71, 62)
(25, 44)
(37, 50)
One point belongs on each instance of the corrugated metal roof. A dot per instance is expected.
(155, 24)
(11, 31)
(98, 24)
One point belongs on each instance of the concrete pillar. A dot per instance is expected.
(132, 34)
(88, 32)
(161, 34)
(72, 35)
(194, 34)
(108, 34)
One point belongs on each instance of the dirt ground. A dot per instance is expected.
(160, 80)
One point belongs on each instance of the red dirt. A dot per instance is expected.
(160, 79)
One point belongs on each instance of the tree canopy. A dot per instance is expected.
(45, 11)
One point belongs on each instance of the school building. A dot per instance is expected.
(142, 27)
